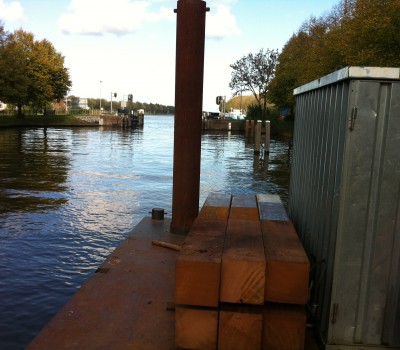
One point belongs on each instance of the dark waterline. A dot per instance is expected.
(68, 196)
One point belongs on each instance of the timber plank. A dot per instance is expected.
(198, 266)
(270, 207)
(243, 263)
(240, 327)
(216, 206)
(284, 327)
(287, 265)
(244, 207)
(196, 328)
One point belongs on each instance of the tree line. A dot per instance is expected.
(352, 33)
(149, 108)
(33, 77)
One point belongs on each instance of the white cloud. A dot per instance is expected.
(11, 11)
(98, 17)
(221, 22)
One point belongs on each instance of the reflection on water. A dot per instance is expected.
(229, 165)
(33, 170)
(68, 196)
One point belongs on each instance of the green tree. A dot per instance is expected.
(254, 73)
(240, 102)
(353, 33)
(31, 72)
(372, 33)
(3, 34)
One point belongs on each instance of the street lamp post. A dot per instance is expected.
(100, 96)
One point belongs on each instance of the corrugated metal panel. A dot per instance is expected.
(344, 200)
(348, 73)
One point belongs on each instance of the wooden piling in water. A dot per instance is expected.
(267, 136)
(190, 37)
(247, 128)
(257, 138)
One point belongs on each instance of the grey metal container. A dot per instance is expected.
(344, 200)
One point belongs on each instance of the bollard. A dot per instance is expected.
(229, 126)
(252, 128)
(267, 136)
(257, 138)
(157, 214)
(246, 128)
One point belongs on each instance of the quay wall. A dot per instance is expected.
(223, 124)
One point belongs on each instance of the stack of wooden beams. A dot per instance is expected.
(241, 277)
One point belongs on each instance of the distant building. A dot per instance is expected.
(236, 114)
(79, 103)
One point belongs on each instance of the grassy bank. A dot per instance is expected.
(44, 120)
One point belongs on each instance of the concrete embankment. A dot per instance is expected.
(223, 124)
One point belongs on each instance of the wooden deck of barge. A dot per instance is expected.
(129, 302)
(126, 303)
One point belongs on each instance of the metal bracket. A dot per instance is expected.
(334, 312)
(353, 118)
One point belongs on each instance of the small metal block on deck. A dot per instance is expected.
(157, 214)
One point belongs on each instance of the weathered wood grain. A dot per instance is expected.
(244, 207)
(216, 207)
(240, 327)
(196, 328)
(270, 207)
(287, 265)
(198, 266)
(243, 263)
(284, 327)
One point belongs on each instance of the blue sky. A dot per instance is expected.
(129, 45)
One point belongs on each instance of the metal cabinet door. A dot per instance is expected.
(365, 293)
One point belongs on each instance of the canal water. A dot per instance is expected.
(68, 196)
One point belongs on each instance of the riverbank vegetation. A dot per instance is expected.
(34, 80)
(149, 108)
(253, 73)
(281, 122)
(353, 33)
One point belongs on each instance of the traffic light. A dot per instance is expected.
(218, 100)
(115, 94)
(130, 97)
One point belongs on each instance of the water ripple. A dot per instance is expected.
(69, 196)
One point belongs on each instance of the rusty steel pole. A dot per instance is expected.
(189, 71)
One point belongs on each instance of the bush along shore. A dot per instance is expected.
(46, 120)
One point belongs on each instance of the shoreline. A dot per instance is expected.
(44, 121)
(280, 129)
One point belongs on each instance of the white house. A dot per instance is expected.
(79, 103)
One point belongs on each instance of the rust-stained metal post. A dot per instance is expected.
(190, 35)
